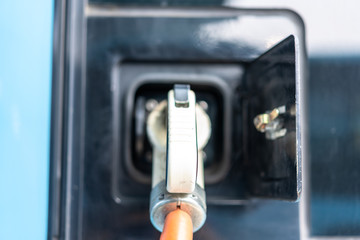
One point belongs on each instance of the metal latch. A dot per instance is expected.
(272, 122)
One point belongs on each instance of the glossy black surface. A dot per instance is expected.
(95, 110)
(334, 202)
(260, 220)
(274, 167)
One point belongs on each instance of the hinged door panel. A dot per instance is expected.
(272, 133)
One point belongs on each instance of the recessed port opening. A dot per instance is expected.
(146, 95)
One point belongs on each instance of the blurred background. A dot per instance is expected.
(333, 46)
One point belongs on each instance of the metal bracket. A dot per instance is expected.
(272, 122)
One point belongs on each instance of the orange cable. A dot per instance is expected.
(177, 226)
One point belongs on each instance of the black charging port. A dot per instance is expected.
(148, 96)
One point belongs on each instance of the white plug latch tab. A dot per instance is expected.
(182, 152)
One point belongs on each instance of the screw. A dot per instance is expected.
(151, 104)
(204, 105)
